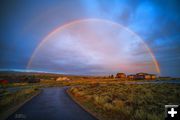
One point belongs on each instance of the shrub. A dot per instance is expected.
(108, 106)
(118, 103)
(98, 100)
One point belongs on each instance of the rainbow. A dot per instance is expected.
(60, 28)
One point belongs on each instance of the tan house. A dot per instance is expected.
(120, 75)
(62, 79)
(153, 76)
(147, 77)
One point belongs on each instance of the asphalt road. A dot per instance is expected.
(51, 104)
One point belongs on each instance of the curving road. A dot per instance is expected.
(51, 104)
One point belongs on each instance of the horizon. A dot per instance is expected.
(58, 73)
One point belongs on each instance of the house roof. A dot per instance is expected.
(121, 73)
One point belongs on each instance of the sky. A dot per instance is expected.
(91, 47)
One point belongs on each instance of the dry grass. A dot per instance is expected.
(11, 100)
(127, 102)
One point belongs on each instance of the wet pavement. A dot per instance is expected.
(51, 104)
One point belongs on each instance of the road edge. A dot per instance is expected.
(77, 102)
(15, 108)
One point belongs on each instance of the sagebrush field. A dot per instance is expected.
(127, 101)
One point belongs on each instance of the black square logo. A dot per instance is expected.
(172, 112)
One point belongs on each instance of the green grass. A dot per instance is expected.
(127, 102)
(10, 100)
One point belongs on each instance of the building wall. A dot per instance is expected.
(120, 75)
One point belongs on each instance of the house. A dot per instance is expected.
(62, 79)
(153, 76)
(138, 76)
(131, 77)
(120, 75)
(141, 75)
(145, 76)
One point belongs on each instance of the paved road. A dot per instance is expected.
(51, 104)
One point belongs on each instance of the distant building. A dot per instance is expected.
(153, 76)
(120, 75)
(62, 79)
(138, 76)
(141, 75)
(131, 77)
(145, 76)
